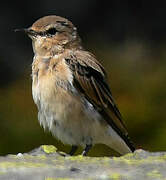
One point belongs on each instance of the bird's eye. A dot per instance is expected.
(51, 31)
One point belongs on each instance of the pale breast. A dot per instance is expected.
(52, 90)
(62, 109)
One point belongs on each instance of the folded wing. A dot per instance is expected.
(90, 80)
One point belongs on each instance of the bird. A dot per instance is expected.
(71, 91)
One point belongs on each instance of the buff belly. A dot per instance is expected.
(69, 118)
(72, 119)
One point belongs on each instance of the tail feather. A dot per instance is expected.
(117, 143)
(125, 140)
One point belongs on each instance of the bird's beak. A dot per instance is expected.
(28, 31)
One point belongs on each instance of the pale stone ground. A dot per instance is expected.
(44, 163)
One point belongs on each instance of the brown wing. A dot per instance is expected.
(90, 80)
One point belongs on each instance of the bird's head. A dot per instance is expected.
(52, 34)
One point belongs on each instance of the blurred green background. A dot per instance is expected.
(127, 38)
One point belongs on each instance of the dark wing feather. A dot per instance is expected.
(89, 79)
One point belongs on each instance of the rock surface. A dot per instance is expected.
(45, 163)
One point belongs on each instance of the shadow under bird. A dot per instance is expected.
(70, 89)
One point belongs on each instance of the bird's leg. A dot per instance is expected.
(73, 150)
(86, 150)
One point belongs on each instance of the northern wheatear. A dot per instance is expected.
(70, 89)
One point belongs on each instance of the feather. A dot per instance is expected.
(90, 80)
